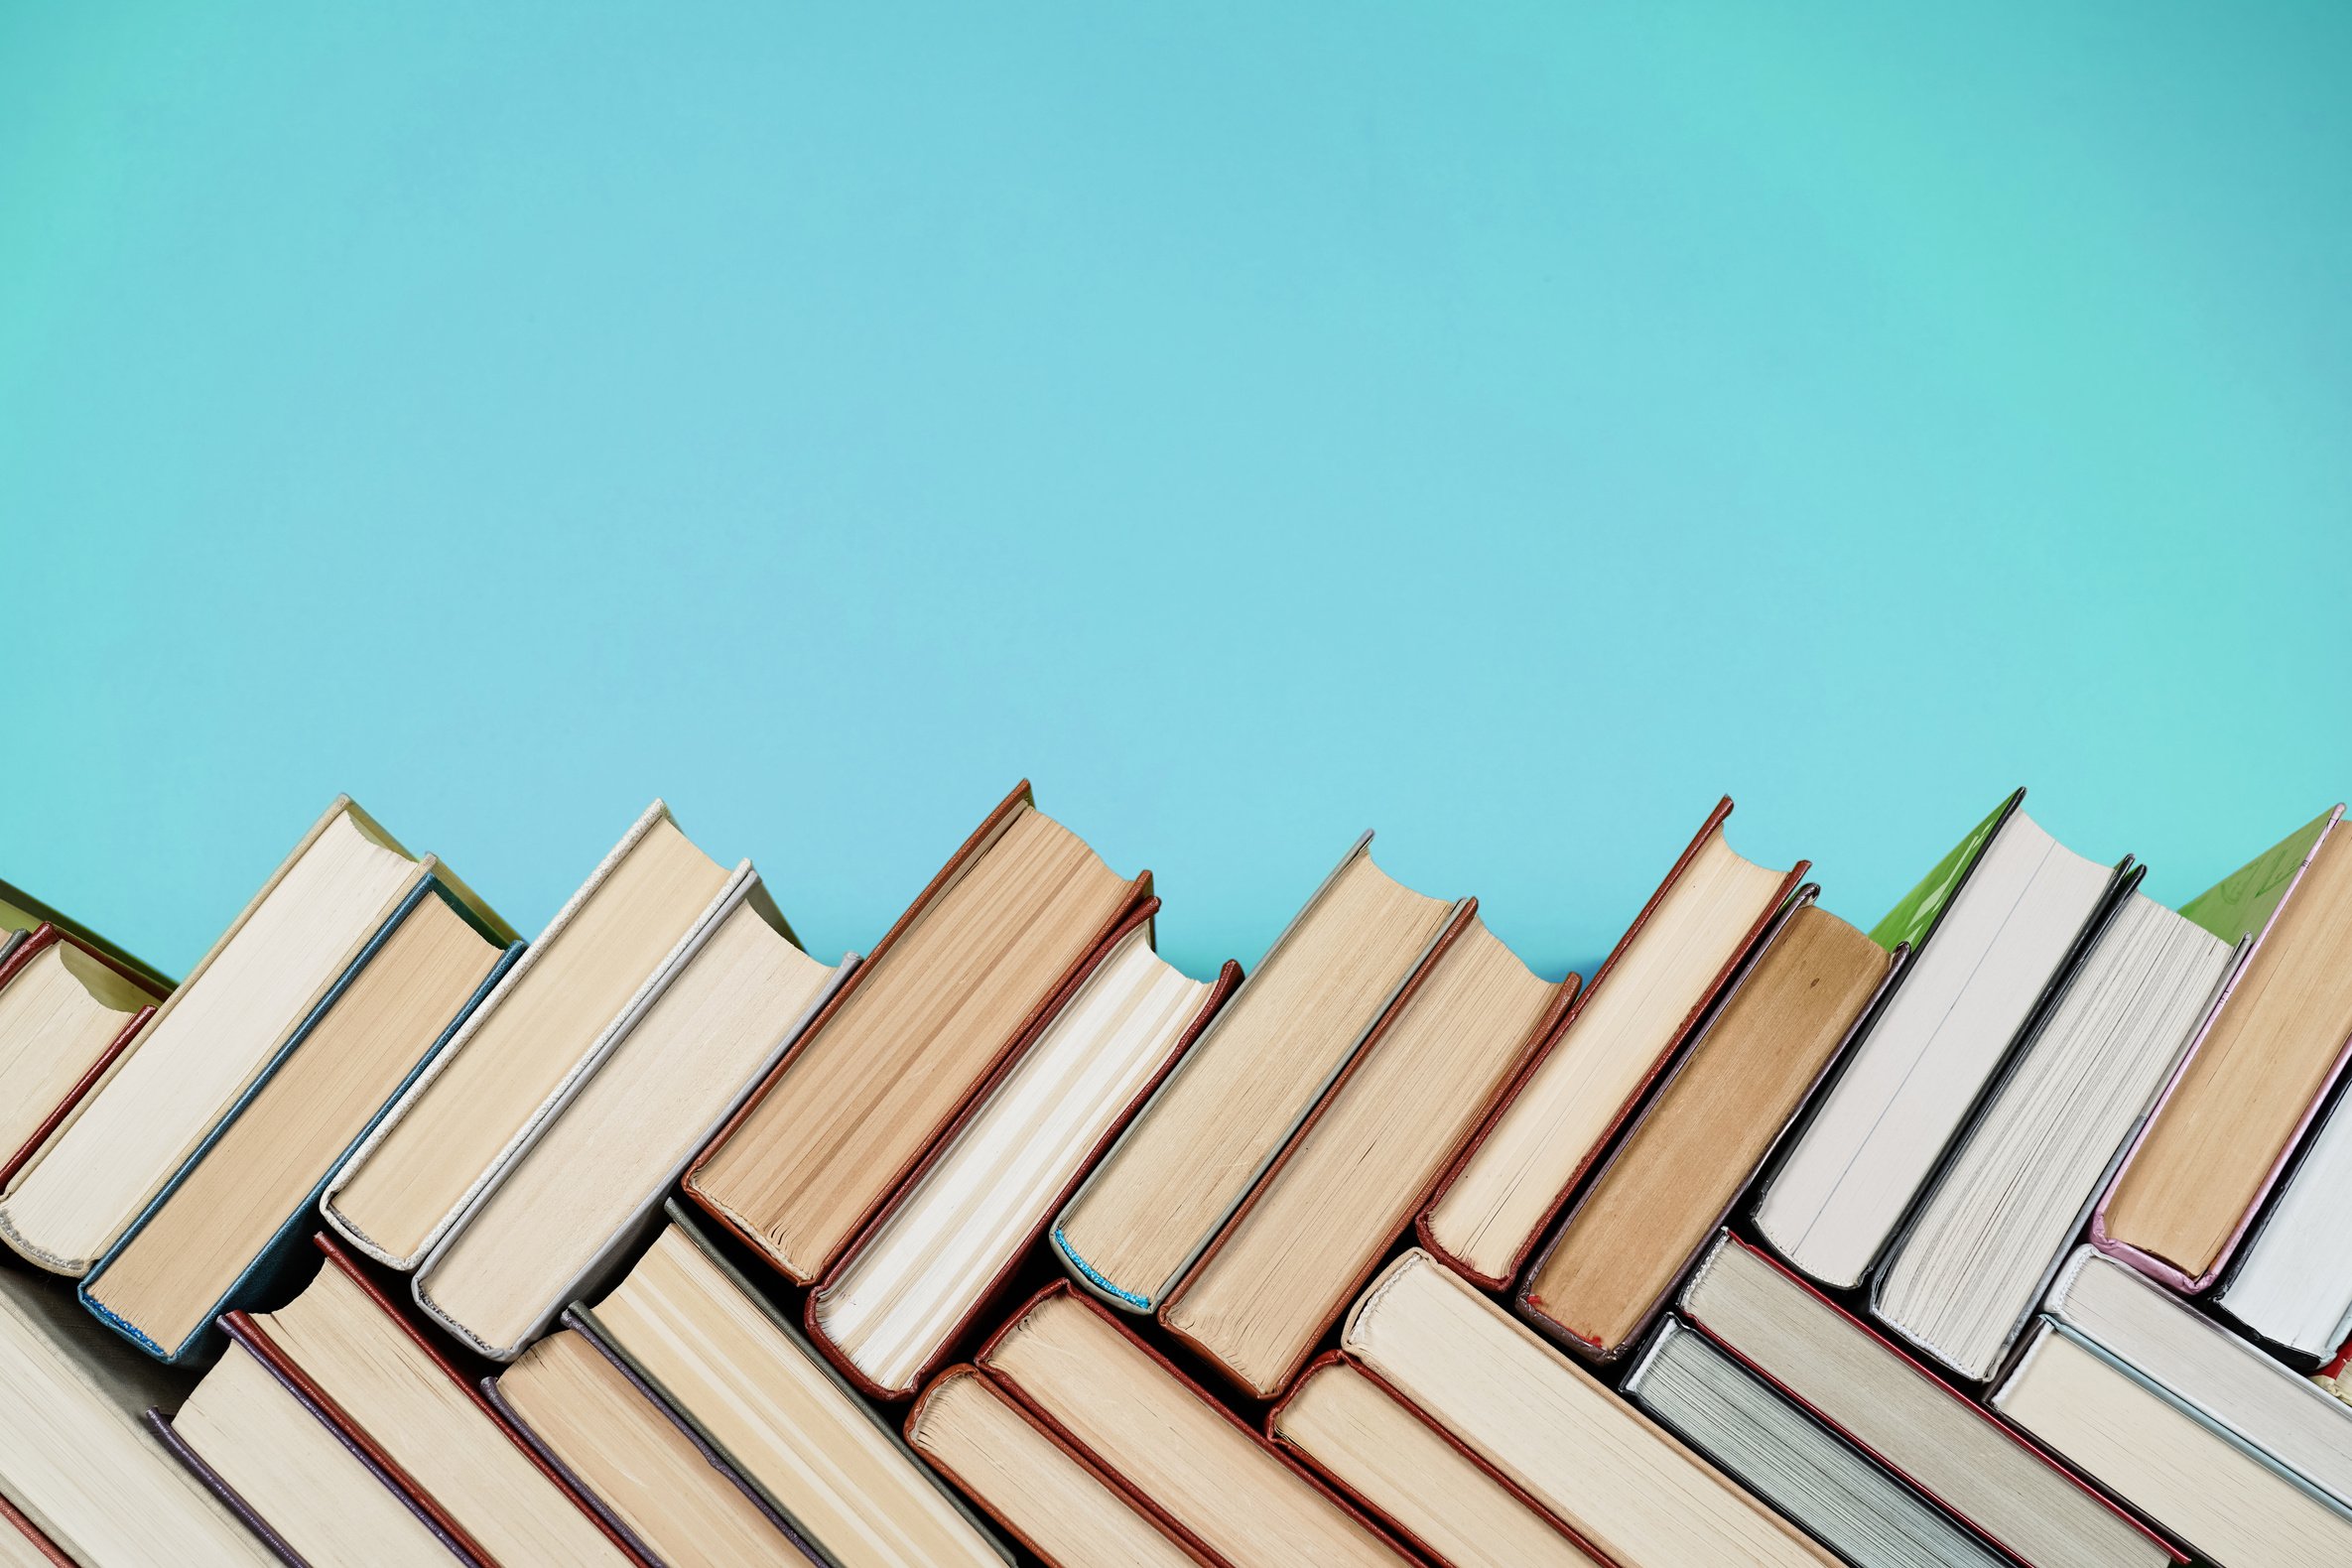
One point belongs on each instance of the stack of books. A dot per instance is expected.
(2005, 1233)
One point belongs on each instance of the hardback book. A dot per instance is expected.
(1960, 1281)
(946, 996)
(2259, 1071)
(583, 1190)
(1173, 1178)
(936, 1258)
(1625, 1489)
(2291, 1282)
(1059, 1505)
(1894, 1409)
(75, 1444)
(24, 1544)
(1212, 1481)
(551, 1020)
(220, 1232)
(364, 1369)
(21, 913)
(216, 1035)
(2196, 1481)
(1993, 930)
(67, 1011)
(1346, 1187)
(1765, 1441)
(2205, 1368)
(1645, 1000)
(747, 1390)
(1430, 1488)
(1659, 1196)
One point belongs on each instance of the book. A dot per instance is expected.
(1211, 1480)
(2193, 1479)
(935, 1260)
(21, 913)
(205, 1046)
(66, 1014)
(2291, 1282)
(1346, 1187)
(69, 1471)
(1657, 1199)
(1645, 1000)
(1994, 928)
(555, 1219)
(1155, 1200)
(1059, 1505)
(1628, 1490)
(2203, 1367)
(2261, 1066)
(1761, 1439)
(736, 1375)
(1901, 1414)
(946, 997)
(1430, 1489)
(23, 1543)
(531, 1042)
(1961, 1277)
(222, 1229)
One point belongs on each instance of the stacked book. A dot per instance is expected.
(2006, 1233)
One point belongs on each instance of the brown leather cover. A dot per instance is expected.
(1447, 1438)
(1681, 1035)
(45, 935)
(1159, 1515)
(1077, 1456)
(13, 1518)
(256, 1339)
(981, 839)
(1229, 979)
(1555, 1014)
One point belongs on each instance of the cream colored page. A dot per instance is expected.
(51, 1029)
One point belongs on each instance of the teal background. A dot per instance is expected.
(1509, 427)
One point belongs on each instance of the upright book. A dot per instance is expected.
(21, 913)
(67, 1011)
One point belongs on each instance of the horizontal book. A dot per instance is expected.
(66, 1014)
(557, 1216)
(531, 1042)
(220, 1232)
(1345, 1188)
(1658, 1198)
(1961, 1278)
(1994, 928)
(935, 1260)
(69, 1471)
(947, 995)
(1766, 1443)
(1672, 964)
(2196, 1481)
(1177, 1173)
(1209, 1480)
(1046, 1495)
(1905, 1417)
(21, 913)
(1431, 1489)
(218, 1033)
(2290, 1283)
(2259, 1071)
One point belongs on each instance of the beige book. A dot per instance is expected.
(17, 1549)
(759, 1396)
(1488, 1217)
(205, 1046)
(523, 1044)
(1210, 1130)
(58, 1016)
(1383, 1453)
(602, 1160)
(1317, 1226)
(1609, 1472)
(603, 1430)
(70, 1469)
(1169, 1442)
(170, 1275)
(413, 1409)
(1067, 1513)
(856, 1104)
(293, 1471)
